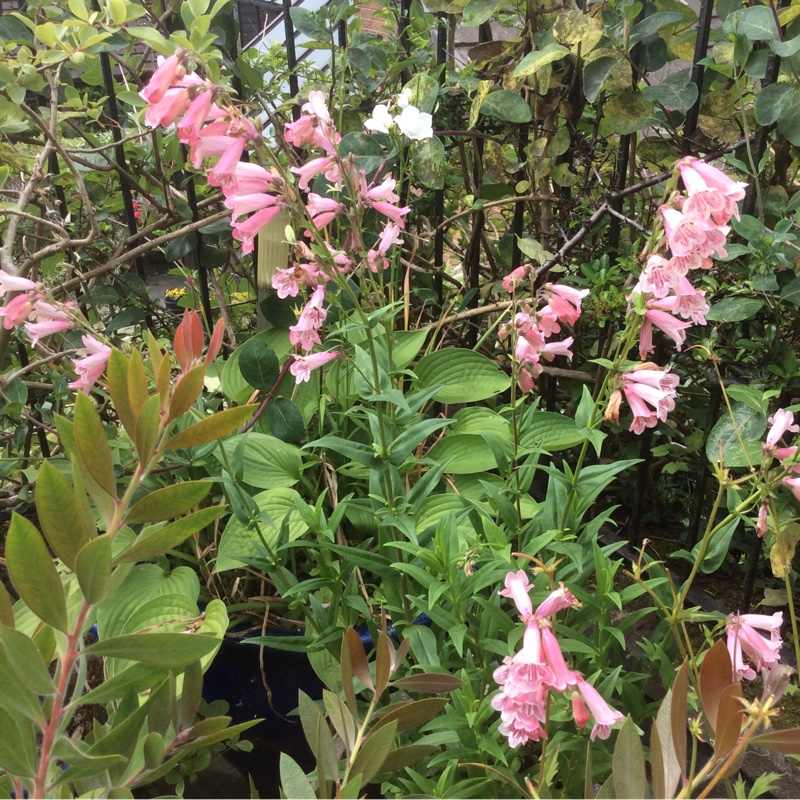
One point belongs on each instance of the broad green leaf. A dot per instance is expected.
(406, 756)
(786, 49)
(64, 525)
(464, 375)
(791, 292)
(537, 59)
(26, 660)
(507, 106)
(430, 162)
(318, 736)
(476, 12)
(464, 453)
(152, 38)
(187, 390)
(267, 462)
(17, 697)
(147, 428)
(670, 771)
(750, 425)
(81, 765)
(259, 364)
(756, 23)
(218, 425)
(772, 100)
(294, 783)
(6, 608)
(482, 420)
(734, 309)
(93, 568)
(152, 542)
(117, 378)
(412, 713)
(574, 28)
(549, 431)
(240, 545)
(424, 91)
(34, 574)
(676, 92)
(172, 650)
(652, 24)
(628, 112)
(373, 753)
(285, 420)
(597, 71)
(169, 502)
(92, 444)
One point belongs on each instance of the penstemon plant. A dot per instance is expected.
(100, 602)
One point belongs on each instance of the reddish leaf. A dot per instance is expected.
(657, 764)
(358, 658)
(678, 715)
(729, 720)
(347, 676)
(383, 662)
(402, 757)
(215, 343)
(432, 682)
(716, 675)
(410, 714)
(189, 340)
(787, 741)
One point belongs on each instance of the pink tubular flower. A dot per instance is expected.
(557, 600)
(517, 588)
(794, 486)
(711, 191)
(287, 282)
(781, 421)
(224, 171)
(562, 675)
(196, 115)
(659, 276)
(315, 127)
(16, 311)
(302, 366)
(247, 178)
(323, 210)
(168, 109)
(38, 330)
(311, 169)
(743, 637)
(247, 203)
(94, 357)
(663, 320)
(651, 396)
(579, 710)
(169, 72)
(389, 235)
(684, 235)
(604, 715)
(564, 301)
(515, 277)
(245, 232)
(15, 283)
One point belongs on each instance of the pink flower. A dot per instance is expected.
(247, 203)
(683, 234)
(303, 365)
(794, 486)
(557, 600)
(323, 210)
(659, 276)
(663, 320)
(564, 301)
(90, 367)
(247, 178)
(38, 330)
(743, 637)
(781, 421)
(170, 71)
(553, 349)
(688, 303)
(515, 277)
(224, 171)
(562, 675)
(304, 335)
(16, 311)
(711, 191)
(392, 212)
(287, 282)
(315, 127)
(650, 395)
(389, 235)
(762, 525)
(311, 169)
(245, 232)
(44, 311)
(517, 588)
(168, 108)
(196, 115)
(15, 283)
(604, 715)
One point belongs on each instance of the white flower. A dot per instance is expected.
(380, 121)
(415, 124)
(404, 98)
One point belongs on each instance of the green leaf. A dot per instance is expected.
(92, 445)
(406, 345)
(507, 106)
(756, 23)
(789, 121)
(430, 682)
(791, 292)
(6, 608)
(476, 12)
(12, 30)
(785, 49)
(152, 38)
(26, 660)
(294, 783)
(17, 746)
(412, 713)
(64, 525)
(430, 162)
(265, 462)
(549, 431)
(152, 542)
(464, 454)
(259, 364)
(652, 24)
(373, 752)
(241, 544)
(734, 309)
(751, 425)
(285, 420)
(219, 424)
(34, 574)
(181, 246)
(537, 59)
(93, 568)
(406, 756)
(318, 736)
(464, 375)
(628, 112)
(413, 436)
(628, 764)
(772, 100)
(424, 91)
(169, 502)
(596, 71)
(676, 92)
(147, 426)
(172, 650)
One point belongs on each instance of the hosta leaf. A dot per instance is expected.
(464, 375)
